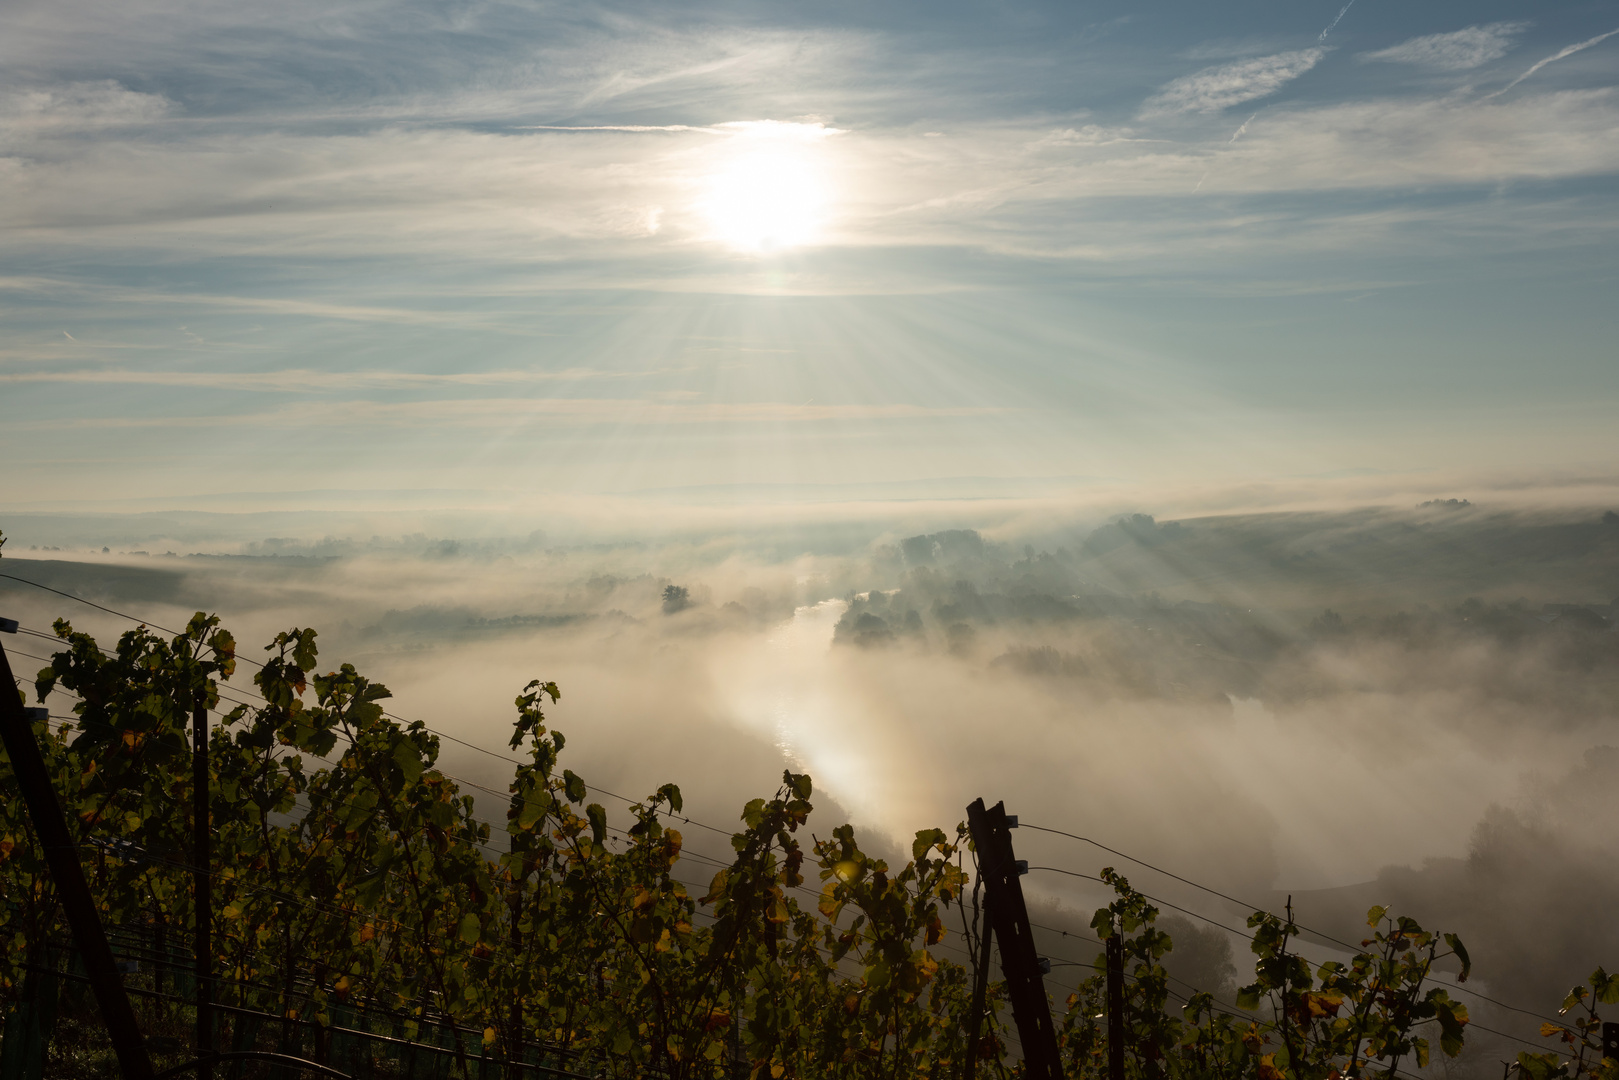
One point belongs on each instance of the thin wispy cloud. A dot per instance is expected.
(1222, 87)
(79, 107)
(1233, 48)
(1093, 135)
(481, 412)
(524, 204)
(1458, 50)
(303, 380)
(1560, 55)
(1367, 144)
(618, 127)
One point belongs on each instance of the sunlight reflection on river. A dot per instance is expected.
(783, 689)
(798, 647)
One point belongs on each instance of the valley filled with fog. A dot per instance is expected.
(1416, 707)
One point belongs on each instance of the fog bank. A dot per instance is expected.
(1412, 707)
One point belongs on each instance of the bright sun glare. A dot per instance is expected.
(769, 192)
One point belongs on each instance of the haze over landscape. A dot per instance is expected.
(1192, 424)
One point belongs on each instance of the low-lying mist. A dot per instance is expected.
(1414, 708)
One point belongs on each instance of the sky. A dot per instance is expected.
(516, 254)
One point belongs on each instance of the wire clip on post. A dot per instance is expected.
(1009, 915)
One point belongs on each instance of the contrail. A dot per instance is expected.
(1333, 25)
(1237, 135)
(69, 336)
(1570, 51)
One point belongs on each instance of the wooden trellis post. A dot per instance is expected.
(1009, 917)
(33, 781)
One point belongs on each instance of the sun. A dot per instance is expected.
(768, 191)
(766, 201)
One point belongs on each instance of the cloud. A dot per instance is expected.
(1231, 48)
(997, 188)
(749, 675)
(533, 203)
(505, 172)
(480, 413)
(614, 127)
(304, 380)
(1559, 55)
(1388, 144)
(1091, 135)
(77, 107)
(1455, 51)
(792, 130)
(1216, 88)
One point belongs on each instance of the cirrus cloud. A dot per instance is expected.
(78, 107)
(1455, 51)
(1221, 87)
